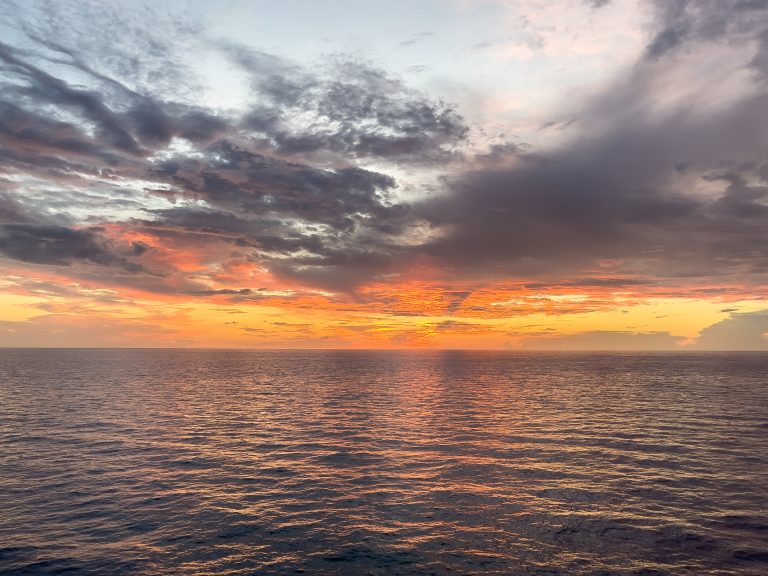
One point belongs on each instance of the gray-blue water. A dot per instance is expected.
(175, 462)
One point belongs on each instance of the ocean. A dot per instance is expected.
(177, 462)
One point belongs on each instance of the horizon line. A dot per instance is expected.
(507, 350)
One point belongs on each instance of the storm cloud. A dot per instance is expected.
(668, 184)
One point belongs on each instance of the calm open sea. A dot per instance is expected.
(175, 462)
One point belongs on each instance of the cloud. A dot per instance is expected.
(683, 23)
(229, 176)
(75, 116)
(664, 174)
(58, 245)
(605, 340)
(88, 331)
(345, 106)
(43, 88)
(326, 226)
(742, 331)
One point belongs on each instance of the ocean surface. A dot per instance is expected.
(176, 462)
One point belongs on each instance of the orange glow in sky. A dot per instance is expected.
(525, 175)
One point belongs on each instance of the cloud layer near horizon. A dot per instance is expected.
(339, 181)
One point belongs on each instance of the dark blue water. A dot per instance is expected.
(175, 462)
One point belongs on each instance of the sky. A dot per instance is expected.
(454, 174)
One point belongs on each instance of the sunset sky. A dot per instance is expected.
(535, 174)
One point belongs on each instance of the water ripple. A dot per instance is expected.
(353, 463)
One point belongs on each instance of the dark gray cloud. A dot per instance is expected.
(11, 210)
(547, 212)
(124, 121)
(566, 217)
(39, 239)
(41, 244)
(684, 23)
(40, 87)
(627, 186)
(590, 283)
(323, 226)
(155, 123)
(35, 143)
(231, 177)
